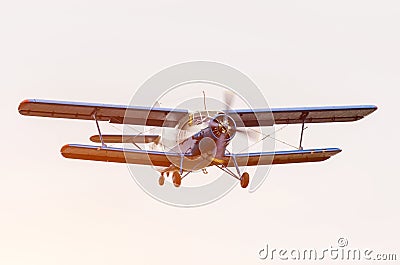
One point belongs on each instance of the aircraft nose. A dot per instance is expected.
(207, 147)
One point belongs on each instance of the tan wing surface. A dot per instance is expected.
(281, 157)
(134, 115)
(119, 155)
(269, 117)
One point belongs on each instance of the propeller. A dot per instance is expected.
(229, 99)
(226, 128)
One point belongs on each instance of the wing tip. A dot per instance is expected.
(64, 149)
(26, 101)
(369, 110)
(334, 152)
(21, 106)
(95, 138)
(373, 108)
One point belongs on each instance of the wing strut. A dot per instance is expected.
(98, 129)
(303, 117)
(181, 164)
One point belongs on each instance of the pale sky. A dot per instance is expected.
(299, 53)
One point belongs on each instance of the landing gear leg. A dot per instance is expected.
(244, 178)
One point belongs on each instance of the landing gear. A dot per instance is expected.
(244, 180)
(176, 178)
(161, 180)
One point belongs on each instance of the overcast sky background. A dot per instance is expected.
(299, 53)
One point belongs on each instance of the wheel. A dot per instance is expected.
(176, 178)
(244, 180)
(161, 179)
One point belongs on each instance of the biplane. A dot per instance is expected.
(204, 148)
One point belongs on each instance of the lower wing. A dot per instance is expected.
(120, 155)
(280, 157)
(165, 159)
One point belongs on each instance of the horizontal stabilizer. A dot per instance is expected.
(138, 138)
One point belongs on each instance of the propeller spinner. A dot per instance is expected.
(223, 126)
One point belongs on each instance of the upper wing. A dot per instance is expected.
(170, 117)
(281, 157)
(269, 117)
(111, 154)
(104, 112)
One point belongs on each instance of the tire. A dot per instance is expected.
(176, 179)
(161, 180)
(244, 180)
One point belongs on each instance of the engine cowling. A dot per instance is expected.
(223, 127)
